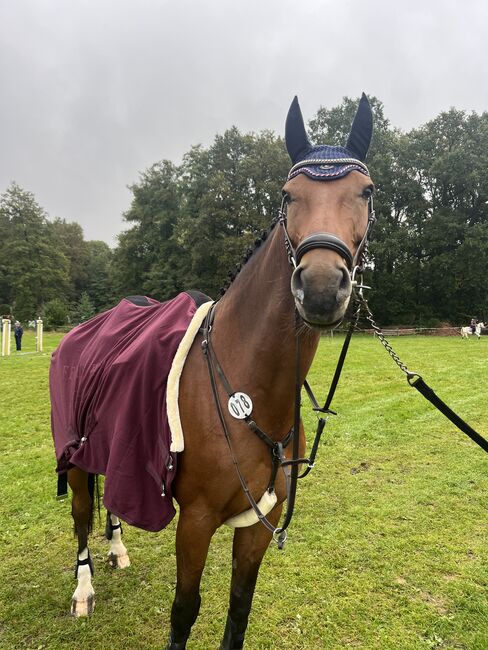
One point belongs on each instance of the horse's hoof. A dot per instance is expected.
(118, 561)
(83, 607)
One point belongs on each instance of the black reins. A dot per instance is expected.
(416, 381)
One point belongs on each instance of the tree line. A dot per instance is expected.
(189, 224)
(46, 267)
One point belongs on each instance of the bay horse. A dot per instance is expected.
(467, 331)
(295, 283)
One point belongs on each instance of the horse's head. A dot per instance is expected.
(327, 201)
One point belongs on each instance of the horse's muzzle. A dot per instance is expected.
(321, 289)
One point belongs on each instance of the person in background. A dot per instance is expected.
(474, 322)
(18, 331)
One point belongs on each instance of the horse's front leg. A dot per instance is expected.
(249, 547)
(118, 557)
(193, 535)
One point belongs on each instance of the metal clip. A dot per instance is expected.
(358, 284)
(280, 537)
(412, 377)
(277, 451)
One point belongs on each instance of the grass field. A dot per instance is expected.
(388, 548)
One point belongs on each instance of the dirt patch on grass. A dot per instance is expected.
(362, 467)
(437, 602)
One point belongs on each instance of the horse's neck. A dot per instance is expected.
(255, 331)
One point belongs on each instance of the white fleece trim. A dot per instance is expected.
(173, 385)
(249, 517)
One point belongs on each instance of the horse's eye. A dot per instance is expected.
(368, 192)
(287, 198)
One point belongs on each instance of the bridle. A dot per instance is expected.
(355, 264)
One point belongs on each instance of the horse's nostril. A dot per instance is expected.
(321, 290)
(345, 278)
(297, 283)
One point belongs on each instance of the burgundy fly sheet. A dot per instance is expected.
(108, 382)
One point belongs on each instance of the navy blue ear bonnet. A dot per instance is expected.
(325, 162)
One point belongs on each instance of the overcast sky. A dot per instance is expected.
(95, 91)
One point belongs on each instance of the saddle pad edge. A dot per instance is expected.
(173, 385)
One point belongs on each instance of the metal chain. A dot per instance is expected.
(383, 340)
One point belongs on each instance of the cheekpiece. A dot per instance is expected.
(327, 163)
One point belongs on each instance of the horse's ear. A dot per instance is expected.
(361, 130)
(295, 135)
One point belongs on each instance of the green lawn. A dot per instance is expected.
(388, 548)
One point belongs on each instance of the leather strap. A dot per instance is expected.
(324, 240)
(425, 390)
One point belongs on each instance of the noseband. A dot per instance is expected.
(324, 240)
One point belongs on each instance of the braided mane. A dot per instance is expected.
(233, 273)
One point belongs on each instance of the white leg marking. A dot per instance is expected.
(117, 554)
(83, 601)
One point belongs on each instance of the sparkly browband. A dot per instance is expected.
(324, 168)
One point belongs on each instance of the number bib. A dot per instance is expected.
(240, 405)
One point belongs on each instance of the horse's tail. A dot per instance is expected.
(94, 491)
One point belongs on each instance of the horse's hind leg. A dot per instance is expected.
(249, 547)
(83, 601)
(118, 557)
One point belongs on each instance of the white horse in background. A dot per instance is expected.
(466, 331)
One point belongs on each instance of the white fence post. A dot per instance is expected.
(6, 325)
(39, 332)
